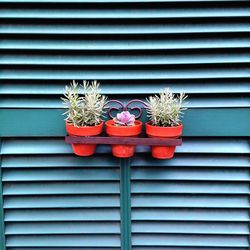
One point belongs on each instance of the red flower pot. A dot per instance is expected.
(123, 151)
(163, 152)
(84, 149)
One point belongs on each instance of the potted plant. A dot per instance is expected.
(165, 113)
(84, 113)
(124, 125)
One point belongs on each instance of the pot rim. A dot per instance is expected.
(149, 125)
(113, 130)
(82, 127)
(158, 131)
(110, 123)
(84, 131)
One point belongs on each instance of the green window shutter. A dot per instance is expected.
(53, 199)
(181, 204)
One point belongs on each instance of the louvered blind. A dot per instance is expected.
(185, 205)
(59, 201)
(53, 199)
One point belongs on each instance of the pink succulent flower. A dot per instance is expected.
(124, 119)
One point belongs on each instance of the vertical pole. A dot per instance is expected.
(249, 209)
(125, 203)
(2, 231)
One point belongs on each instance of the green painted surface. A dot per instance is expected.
(125, 205)
(53, 199)
(197, 122)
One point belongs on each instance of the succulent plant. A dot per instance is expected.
(124, 119)
(165, 109)
(85, 109)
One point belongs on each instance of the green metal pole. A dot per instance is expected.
(2, 231)
(125, 203)
(249, 209)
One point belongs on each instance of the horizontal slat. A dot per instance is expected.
(68, 228)
(156, 201)
(118, 14)
(138, 240)
(129, 72)
(188, 160)
(45, 145)
(143, 58)
(140, 27)
(193, 102)
(58, 146)
(176, 41)
(138, 214)
(148, 187)
(76, 187)
(215, 145)
(107, 174)
(122, 10)
(180, 160)
(181, 187)
(189, 214)
(184, 173)
(179, 248)
(192, 161)
(64, 241)
(210, 228)
(27, 161)
(190, 201)
(133, 88)
(30, 228)
(189, 240)
(66, 201)
(116, 1)
(71, 174)
(71, 248)
(68, 214)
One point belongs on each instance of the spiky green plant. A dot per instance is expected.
(84, 104)
(165, 109)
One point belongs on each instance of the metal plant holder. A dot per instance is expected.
(142, 140)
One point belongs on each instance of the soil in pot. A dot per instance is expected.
(84, 149)
(123, 151)
(163, 152)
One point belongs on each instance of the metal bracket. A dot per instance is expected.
(123, 107)
(124, 140)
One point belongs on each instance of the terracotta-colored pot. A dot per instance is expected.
(123, 151)
(84, 149)
(163, 152)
